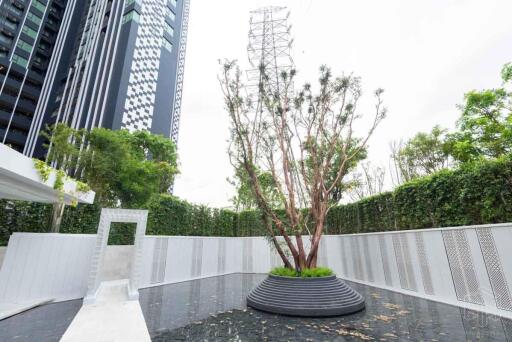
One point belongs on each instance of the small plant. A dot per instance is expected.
(82, 187)
(306, 273)
(43, 169)
(283, 272)
(59, 180)
(317, 272)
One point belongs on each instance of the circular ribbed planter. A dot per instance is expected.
(307, 297)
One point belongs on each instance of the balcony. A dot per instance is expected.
(55, 13)
(15, 137)
(21, 122)
(26, 105)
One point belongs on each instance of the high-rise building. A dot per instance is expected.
(113, 63)
(28, 32)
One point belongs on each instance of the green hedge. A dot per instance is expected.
(475, 193)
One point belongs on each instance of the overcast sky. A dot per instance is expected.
(425, 54)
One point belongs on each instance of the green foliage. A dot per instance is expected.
(485, 126)
(476, 193)
(306, 273)
(82, 187)
(43, 169)
(59, 180)
(284, 272)
(121, 167)
(316, 272)
(506, 73)
(245, 198)
(426, 152)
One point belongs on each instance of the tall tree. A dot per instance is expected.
(123, 168)
(367, 181)
(485, 125)
(423, 154)
(244, 198)
(305, 140)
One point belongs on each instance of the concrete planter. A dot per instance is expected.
(307, 297)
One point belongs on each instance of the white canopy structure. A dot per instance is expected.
(20, 180)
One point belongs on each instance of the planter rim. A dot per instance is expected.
(333, 276)
(279, 295)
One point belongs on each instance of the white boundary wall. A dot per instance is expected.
(45, 265)
(464, 266)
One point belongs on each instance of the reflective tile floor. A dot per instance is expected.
(44, 323)
(213, 309)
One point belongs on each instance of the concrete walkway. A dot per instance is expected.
(111, 318)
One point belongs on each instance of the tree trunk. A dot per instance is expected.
(268, 224)
(312, 257)
(58, 211)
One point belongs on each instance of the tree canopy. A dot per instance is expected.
(305, 141)
(485, 125)
(124, 169)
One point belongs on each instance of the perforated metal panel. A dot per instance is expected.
(492, 261)
(344, 257)
(424, 264)
(356, 255)
(464, 278)
(221, 256)
(507, 328)
(159, 260)
(247, 259)
(404, 262)
(385, 260)
(275, 259)
(322, 260)
(367, 259)
(197, 257)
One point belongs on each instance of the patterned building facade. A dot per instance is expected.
(116, 64)
(28, 36)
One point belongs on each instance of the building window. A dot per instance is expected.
(174, 3)
(129, 2)
(16, 10)
(20, 60)
(34, 18)
(25, 46)
(13, 26)
(29, 32)
(5, 39)
(132, 15)
(170, 14)
(167, 44)
(39, 5)
(169, 29)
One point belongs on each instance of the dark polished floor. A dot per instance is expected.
(213, 309)
(44, 323)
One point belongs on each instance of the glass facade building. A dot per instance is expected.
(90, 63)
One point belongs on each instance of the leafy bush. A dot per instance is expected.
(316, 272)
(306, 273)
(476, 193)
(283, 272)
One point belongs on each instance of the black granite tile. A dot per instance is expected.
(44, 323)
(214, 309)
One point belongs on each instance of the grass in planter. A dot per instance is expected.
(306, 273)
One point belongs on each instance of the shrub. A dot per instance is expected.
(476, 193)
(306, 273)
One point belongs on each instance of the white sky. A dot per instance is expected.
(425, 54)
